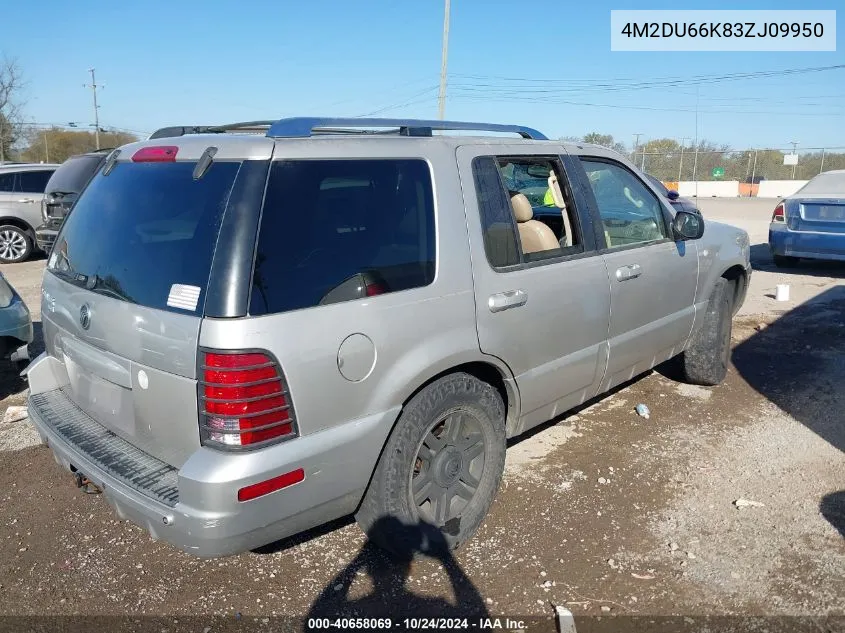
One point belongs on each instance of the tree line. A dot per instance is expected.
(668, 161)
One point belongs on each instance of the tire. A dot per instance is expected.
(785, 261)
(705, 361)
(411, 462)
(15, 244)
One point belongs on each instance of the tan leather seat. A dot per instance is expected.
(534, 235)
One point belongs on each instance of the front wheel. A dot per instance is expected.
(441, 467)
(15, 244)
(705, 361)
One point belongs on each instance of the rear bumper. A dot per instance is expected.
(788, 243)
(207, 520)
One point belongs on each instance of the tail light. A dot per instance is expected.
(778, 215)
(244, 400)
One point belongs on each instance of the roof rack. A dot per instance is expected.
(182, 130)
(304, 127)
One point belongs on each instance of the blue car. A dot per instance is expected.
(15, 325)
(811, 222)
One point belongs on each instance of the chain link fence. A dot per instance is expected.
(745, 166)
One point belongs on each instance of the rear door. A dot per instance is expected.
(124, 294)
(544, 313)
(653, 278)
(29, 189)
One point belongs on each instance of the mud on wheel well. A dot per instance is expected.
(738, 279)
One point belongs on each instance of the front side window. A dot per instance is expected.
(630, 212)
(340, 230)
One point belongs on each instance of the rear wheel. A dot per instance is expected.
(785, 261)
(15, 244)
(441, 467)
(705, 361)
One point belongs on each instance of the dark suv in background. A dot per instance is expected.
(63, 188)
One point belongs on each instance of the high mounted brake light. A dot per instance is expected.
(156, 154)
(778, 215)
(244, 401)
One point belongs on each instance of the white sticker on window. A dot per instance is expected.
(184, 297)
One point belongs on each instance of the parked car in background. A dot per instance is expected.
(681, 204)
(21, 192)
(811, 222)
(62, 190)
(225, 389)
(15, 325)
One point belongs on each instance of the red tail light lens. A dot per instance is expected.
(778, 215)
(374, 289)
(244, 401)
(157, 154)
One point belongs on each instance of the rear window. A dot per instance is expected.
(74, 174)
(146, 234)
(335, 230)
(830, 183)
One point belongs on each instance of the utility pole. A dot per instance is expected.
(681, 162)
(821, 169)
(795, 154)
(695, 158)
(753, 174)
(93, 85)
(636, 145)
(441, 98)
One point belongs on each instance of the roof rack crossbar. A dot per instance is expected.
(303, 127)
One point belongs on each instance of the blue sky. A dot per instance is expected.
(184, 61)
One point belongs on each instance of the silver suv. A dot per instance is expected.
(21, 194)
(250, 334)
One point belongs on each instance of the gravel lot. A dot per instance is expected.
(602, 511)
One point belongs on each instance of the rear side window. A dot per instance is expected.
(146, 233)
(74, 174)
(33, 181)
(339, 230)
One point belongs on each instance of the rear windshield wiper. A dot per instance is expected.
(97, 284)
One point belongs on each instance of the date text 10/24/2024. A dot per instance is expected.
(416, 624)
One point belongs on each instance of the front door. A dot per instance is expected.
(541, 287)
(653, 278)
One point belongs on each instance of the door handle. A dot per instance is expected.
(506, 300)
(26, 200)
(628, 272)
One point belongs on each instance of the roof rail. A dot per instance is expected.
(182, 130)
(303, 127)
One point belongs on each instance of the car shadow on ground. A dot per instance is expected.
(804, 347)
(385, 592)
(761, 259)
(11, 382)
(832, 508)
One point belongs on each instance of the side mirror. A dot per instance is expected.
(687, 226)
(672, 194)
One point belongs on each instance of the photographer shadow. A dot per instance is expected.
(390, 596)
